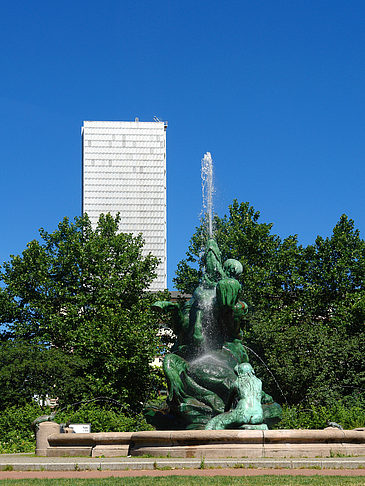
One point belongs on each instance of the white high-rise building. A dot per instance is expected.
(124, 170)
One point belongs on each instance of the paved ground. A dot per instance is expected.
(17, 466)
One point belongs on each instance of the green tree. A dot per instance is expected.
(84, 291)
(267, 261)
(28, 370)
(306, 319)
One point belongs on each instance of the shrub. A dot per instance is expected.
(103, 418)
(16, 434)
(349, 413)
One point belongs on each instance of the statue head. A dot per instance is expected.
(244, 369)
(232, 268)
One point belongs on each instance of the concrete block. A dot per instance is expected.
(297, 450)
(199, 450)
(110, 450)
(44, 431)
(76, 451)
(306, 436)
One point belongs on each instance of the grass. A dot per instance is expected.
(193, 480)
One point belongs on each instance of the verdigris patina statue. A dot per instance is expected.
(210, 381)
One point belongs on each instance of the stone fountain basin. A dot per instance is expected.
(203, 443)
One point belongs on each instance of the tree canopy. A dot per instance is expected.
(307, 304)
(84, 292)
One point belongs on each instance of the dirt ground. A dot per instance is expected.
(178, 472)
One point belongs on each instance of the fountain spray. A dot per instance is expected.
(208, 190)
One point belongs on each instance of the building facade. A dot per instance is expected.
(124, 170)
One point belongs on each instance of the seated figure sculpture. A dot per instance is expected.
(207, 370)
(248, 412)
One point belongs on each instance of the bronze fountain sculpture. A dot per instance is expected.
(210, 381)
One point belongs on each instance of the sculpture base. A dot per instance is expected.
(249, 443)
(210, 443)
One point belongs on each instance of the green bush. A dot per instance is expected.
(349, 413)
(16, 434)
(103, 418)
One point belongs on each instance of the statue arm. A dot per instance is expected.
(165, 305)
(213, 263)
(174, 367)
(227, 292)
(231, 398)
(174, 309)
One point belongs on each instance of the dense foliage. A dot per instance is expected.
(349, 414)
(103, 418)
(17, 435)
(76, 316)
(28, 370)
(307, 304)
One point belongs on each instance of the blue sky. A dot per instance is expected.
(273, 89)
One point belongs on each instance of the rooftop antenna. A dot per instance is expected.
(156, 119)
